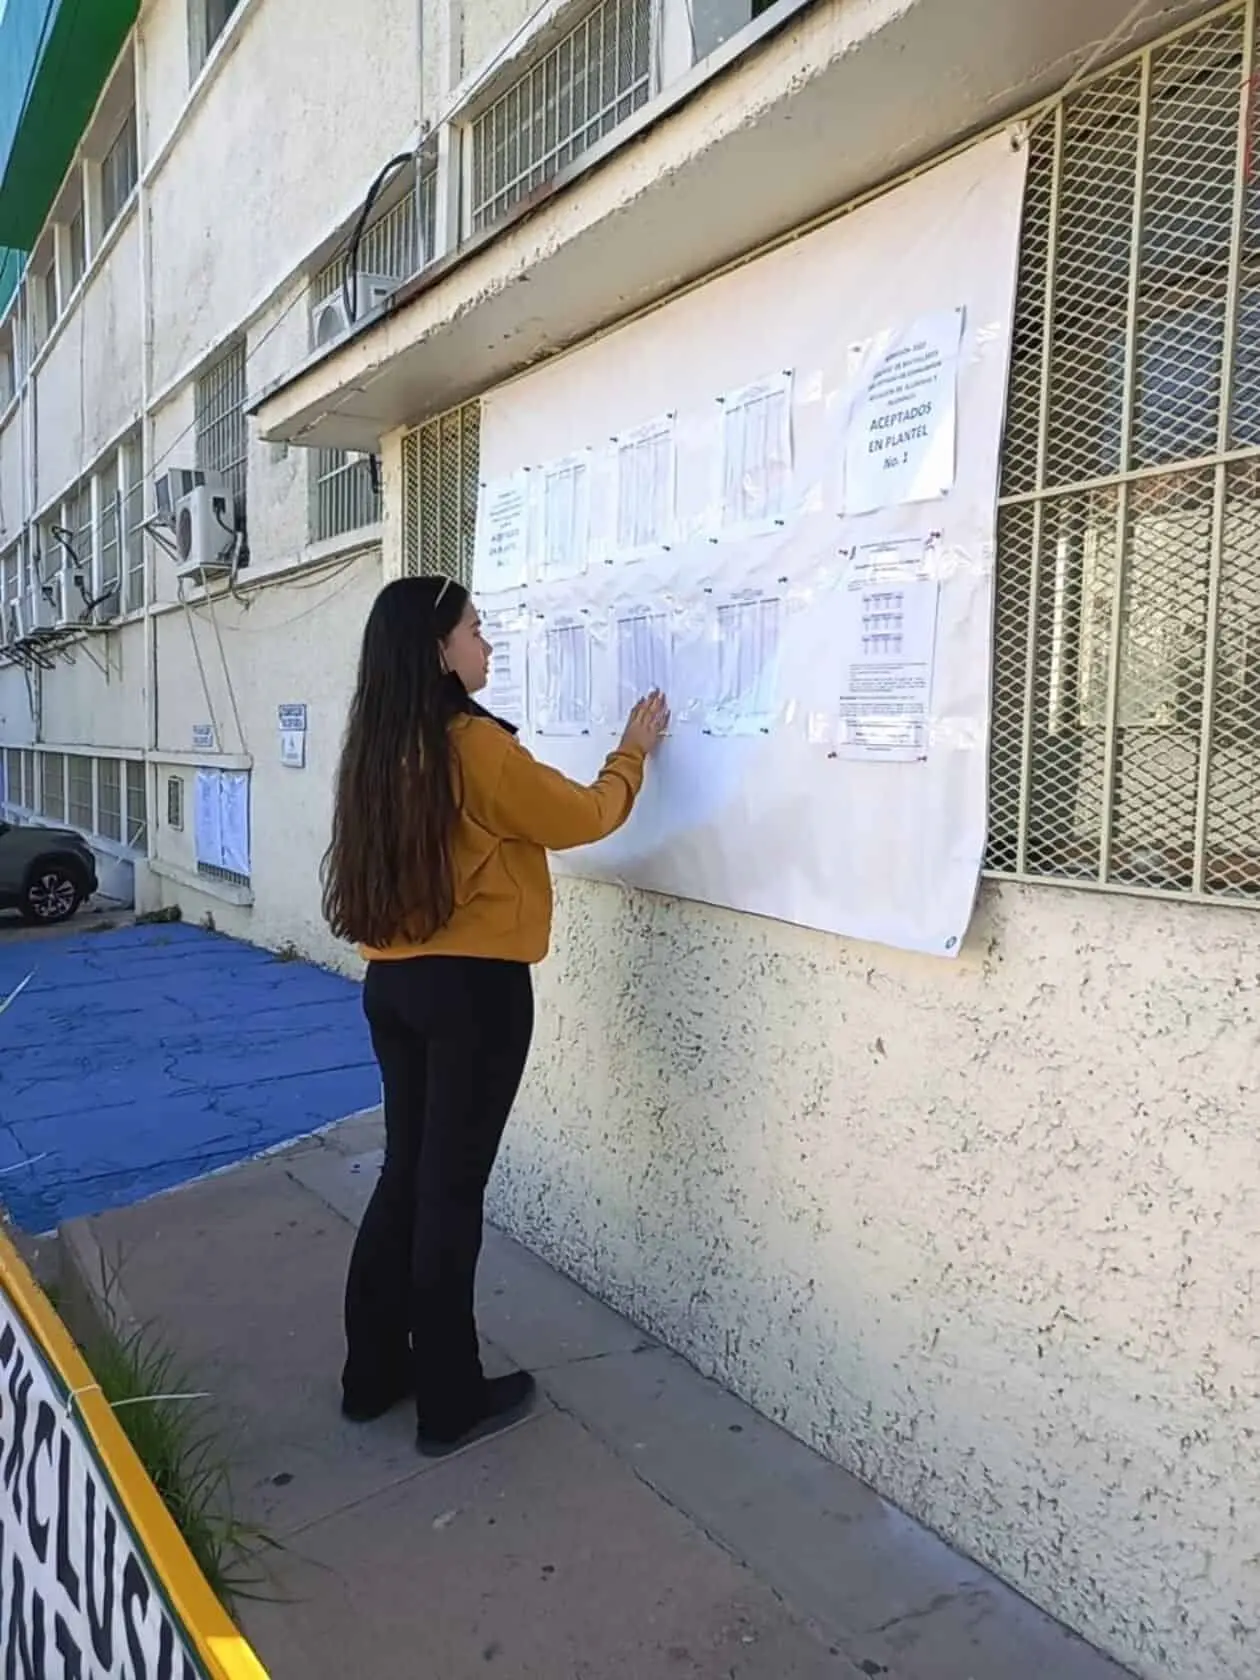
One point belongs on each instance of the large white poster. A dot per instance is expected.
(785, 513)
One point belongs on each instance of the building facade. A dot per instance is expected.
(983, 1231)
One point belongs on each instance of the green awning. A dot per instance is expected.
(55, 56)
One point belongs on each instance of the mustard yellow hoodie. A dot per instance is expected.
(513, 811)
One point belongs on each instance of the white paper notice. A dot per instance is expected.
(235, 821)
(646, 470)
(566, 519)
(504, 693)
(293, 748)
(502, 544)
(887, 651)
(563, 702)
(644, 655)
(207, 819)
(748, 627)
(756, 454)
(903, 425)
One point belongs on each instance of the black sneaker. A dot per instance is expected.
(506, 1401)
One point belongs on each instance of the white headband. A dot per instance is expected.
(446, 584)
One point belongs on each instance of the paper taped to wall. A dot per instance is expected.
(903, 425)
(887, 651)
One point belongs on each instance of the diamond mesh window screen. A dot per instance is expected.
(593, 79)
(440, 466)
(1126, 722)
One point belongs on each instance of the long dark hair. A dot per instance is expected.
(387, 873)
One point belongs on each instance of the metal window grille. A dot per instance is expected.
(229, 877)
(110, 532)
(592, 80)
(79, 808)
(52, 769)
(1127, 637)
(345, 495)
(78, 247)
(79, 522)
(120, 170)
(13, 777)
(440, 467)
(137, 807)
(133, 525)
(222, 434)
(8, 374)
(52, 307)
(109, 797)
(9, 577)
(175, 802)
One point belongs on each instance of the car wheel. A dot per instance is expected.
(52, 895)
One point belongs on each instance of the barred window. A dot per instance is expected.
(109, 789)
(132, 513)
(592, 80)
(222, 434)
(79, 811)
(53, 785)
(120, 170)
(76, 238)
(1127, 639)
(345, 494)
(440, 481)
(137, 810)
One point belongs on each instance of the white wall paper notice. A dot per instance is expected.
(566, 518)
(902, 434)
(747, 644)
(646, 481)
(643, 641)
(504, 694)
(887, 652)
(561, 696)
(756, 455)
(741, 808)
(501, 548)
(221, 820)
(207, 819)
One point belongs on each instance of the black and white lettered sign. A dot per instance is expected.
(79, 1600)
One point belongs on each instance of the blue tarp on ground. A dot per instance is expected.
(138, 1059)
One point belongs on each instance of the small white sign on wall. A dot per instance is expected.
(203, 737)
(291, 719)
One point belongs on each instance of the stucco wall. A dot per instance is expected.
(270, 160)
(984, 1232)
(90, 386)
(287, 645)
(11, 498)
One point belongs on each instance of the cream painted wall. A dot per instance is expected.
(297, 643)
(11, 478)
(99, 700)
(986, 1232)
(269, 161)
(89, 388)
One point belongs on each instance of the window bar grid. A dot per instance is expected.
(594, 78)
(222, 436)
(1127, 629)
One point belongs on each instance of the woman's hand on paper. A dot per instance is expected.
(647, 723)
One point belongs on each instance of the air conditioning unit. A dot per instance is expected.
(42, 604)
(171, 488)
(67, 602)
(205, 531)
(329, 320)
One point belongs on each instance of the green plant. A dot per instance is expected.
(172, 913)
(168, 1424)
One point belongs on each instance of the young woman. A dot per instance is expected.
(438, 871)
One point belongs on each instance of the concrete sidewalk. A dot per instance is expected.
(641, 1524)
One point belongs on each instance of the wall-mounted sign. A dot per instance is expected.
(203, 737)
(292, 721)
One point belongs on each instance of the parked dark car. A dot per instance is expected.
(45, 873)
